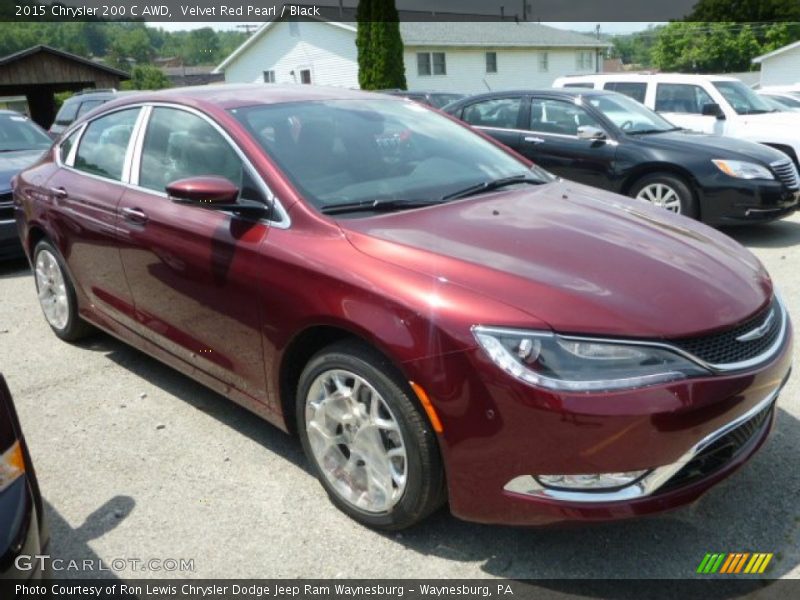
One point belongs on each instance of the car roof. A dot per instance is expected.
(562, 92)
(662, 77)
(229, 96)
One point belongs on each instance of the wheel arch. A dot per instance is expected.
(669, 169)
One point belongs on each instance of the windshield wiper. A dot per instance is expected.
(494, 184)
(375, 206)
(649, 131)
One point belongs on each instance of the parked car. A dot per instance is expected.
(610, 141)
(78, 105)
(783, 100)
(706, 103)
(21, 142)
(433, 315)
(435, 99)
(22, 528)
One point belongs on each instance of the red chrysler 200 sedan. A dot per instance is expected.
(437, 319)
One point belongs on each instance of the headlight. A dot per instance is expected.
(578, 365)
(12, 465)
(742, 169)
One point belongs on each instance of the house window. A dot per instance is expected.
(269, 76)
(439, 64)
(431, 63)
(423, 64)
(584, 61)
(305, 76)
(544, 62)
(491, 62)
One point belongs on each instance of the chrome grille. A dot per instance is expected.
(787, 173)
(6, 207)
(724, 347)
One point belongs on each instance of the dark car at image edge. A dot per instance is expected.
(23, 534)
(612, 142)
(439, 320)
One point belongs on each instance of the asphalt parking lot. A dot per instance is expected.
(137, 461)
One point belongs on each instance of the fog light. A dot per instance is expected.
(591, 481)
(12, 465)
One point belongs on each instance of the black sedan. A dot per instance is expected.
(21, 143)
(610, 141)
(22, 533)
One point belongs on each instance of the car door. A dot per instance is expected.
(552, 142)
(682, 104)
(498, 117)
(193, 271)
(85, 192)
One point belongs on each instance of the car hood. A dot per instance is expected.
(577, 258)
(717, 146)
(12, 163)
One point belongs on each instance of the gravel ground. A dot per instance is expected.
(138, 461)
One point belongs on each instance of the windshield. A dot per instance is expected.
(347, 151)
(742, 99)
(784, 101)
(17, 132)
(628, 114)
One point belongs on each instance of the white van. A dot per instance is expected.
(707, 103)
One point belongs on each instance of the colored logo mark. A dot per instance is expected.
(735, 562)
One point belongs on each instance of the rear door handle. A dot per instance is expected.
(134, 215)
(533, 139)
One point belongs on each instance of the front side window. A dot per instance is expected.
(491, 62)
(681, 98)
(559, 117)
(742, 99)
(633, 89)
(365, 150)
(179, 144)
(104, 144)
(629, 115)
(500, 113)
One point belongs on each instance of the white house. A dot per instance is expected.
(458, 56)
(781, 66)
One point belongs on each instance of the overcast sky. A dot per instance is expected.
(617, 27)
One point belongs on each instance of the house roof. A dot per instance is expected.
(460, 34)
(10, 58)
(759, 59)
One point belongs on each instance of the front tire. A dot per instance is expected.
(369, 444)
(57, 294)
(666, 191)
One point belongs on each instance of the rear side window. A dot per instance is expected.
(104, 144)
(580, 84)
(67, 113)
(501, 113)
(88, 105)
(179, 144)
(681, 98)
(632, 89)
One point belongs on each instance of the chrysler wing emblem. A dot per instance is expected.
(759, 331)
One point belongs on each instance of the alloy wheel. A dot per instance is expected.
(661, 195)
(52, 290)
(356, 441)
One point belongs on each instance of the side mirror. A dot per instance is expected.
(216, 193)
(587, 132)
(712, 109)
(211, 191)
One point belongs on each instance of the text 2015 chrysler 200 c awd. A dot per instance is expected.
(436, 318)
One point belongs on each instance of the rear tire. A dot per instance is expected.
(666, 191)
(369, 443)
(57, 294)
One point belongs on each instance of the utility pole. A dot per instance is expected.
(524, 10)
(599, 57)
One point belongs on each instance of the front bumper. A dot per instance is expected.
(20, 532)
(498, 432)
(10, 246)
(727, 201)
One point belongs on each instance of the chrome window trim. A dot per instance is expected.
(133, 156)
(527, 485)
(60, 160)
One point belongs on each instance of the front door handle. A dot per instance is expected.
(58, 192)
(533, 139)
(134, 215)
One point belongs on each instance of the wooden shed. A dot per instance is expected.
(40, 71)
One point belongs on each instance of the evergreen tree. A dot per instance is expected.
(380, 46)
